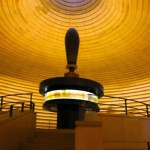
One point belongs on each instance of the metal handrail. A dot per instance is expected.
(21, 107)
(127, 106)
(16, 94)
(12, 104)
(10, 95)
(123, 98)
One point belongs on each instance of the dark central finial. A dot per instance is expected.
(72, 46)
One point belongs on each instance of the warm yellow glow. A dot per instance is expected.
(71, 94)
(114, 45)
(114, 35)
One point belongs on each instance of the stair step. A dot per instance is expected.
(121, 145)
(51, 139)
(54, 131)
(54, 140)
(33, 146)
(5, 116)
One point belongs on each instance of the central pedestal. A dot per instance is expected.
(67, 115)
(70, 97)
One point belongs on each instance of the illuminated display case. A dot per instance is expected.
(70, 90)
(70, 97)
(71, 94)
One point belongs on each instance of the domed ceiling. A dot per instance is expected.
(114, 42)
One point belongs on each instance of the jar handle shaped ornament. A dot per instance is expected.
(72, 46)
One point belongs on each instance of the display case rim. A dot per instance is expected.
(61, 83)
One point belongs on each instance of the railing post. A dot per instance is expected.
(2, 98)
(31, 96)
(126, 109)
(148, 145)
(49, 124)
(31, 105)
(147, 111)
(2, 101)
(22, 107)
(11, 111)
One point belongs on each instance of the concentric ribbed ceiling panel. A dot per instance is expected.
(114, 41)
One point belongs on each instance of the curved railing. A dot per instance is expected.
(11, 102)
(107, 104)
(120, 105)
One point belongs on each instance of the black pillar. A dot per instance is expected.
(68, 114)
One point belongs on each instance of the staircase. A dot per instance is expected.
(125, 126)
(125, 146)
(53, 139)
